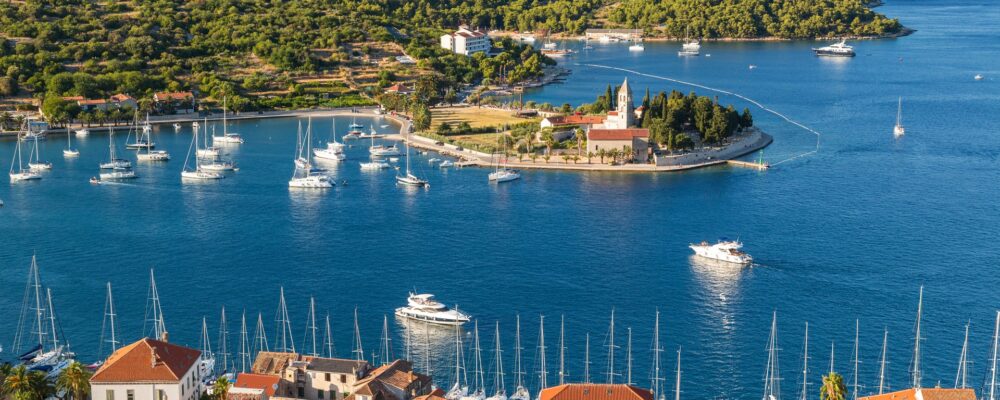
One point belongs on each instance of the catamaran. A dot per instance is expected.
(334, 150)
(197, 173)
(409, 179)
(304, 177)
(69, 151)
(35, 162)
(898, 130)
(227, 137)
(20, 173)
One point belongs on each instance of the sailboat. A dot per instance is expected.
(211, 157)
(677, 387)
(354, 131)
(82, 132)
(197, 173)
(113, 161)
(500, 172)
(772, 389)
(38, 319)
(304, 176)
(150, 154)
(141, 135)
(334, 150)
(461, 387)
(409, 179)
(499, 389)
(206, 363)
(520, 392)
(35, 162)
(691, 47)
(20, 173)
(805, 366)
(109, 326)
(993, 366)
(637, 46)
(381, 150)
(543, 372)
(655, 380)
(227, 137)
(479, 376)
(69, 151)
(898, 130)
(206, 151)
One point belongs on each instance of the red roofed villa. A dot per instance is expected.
(149, 370)
(594, 391)
(925, 394)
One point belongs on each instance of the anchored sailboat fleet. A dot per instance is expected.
(20, 173)
(197, 172)
(39, 328)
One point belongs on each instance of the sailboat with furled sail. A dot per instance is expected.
(408, 178)
(109, 329)
(197, 172)
(499, 391)
(50, 354)
(461, 387)
(478, 375)
(227, 136)
(69, 151)
(520, 392)
(19, 173)
(304, 176)
(899, 130)
(772, 378)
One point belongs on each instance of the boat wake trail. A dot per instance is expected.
(726, 92)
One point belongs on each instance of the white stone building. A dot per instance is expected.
(149, 370)
(466, 41)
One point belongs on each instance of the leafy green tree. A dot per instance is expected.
(220, 388)
(833, 387)
(75, 380)
(421, 116)
(21, 384)
(746, 120)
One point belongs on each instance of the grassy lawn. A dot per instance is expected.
(475, 116)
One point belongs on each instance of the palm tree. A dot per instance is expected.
(220, 388)
(75, 380)
(833, 387)
(580, 137)
(590, 155)
(627, 154)
(602, 153)
(22, 384)
(549, 140)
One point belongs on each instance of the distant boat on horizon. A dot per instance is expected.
(898, 130)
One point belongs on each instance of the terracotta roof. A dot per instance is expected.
(437, 394)
(91, 102)
(612, 112)
(926, 394)
(589, 391)
(173, 96)
(73, 98)
(617, 134)
(272, 362)
(399, 87)
(147, 360)
(576, 120)
(268, 383)
(398, 374)
(337, 365)
(121, 97)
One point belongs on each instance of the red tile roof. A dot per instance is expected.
(612, 113)
(73, 98)
(926, 394)
(269, 383)
(617, 134)
(576, 120)
(91, 102)
(147, 360)
(588, 391)
(160, 96)
(121, 97)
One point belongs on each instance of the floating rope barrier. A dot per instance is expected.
(726, 92)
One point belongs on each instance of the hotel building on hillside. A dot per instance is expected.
(466, 41)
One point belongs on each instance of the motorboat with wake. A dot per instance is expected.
(423, 307)
(839, 49)
(724, 250)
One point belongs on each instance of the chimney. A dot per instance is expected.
(164, 337)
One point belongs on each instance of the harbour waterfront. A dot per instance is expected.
(850, 232)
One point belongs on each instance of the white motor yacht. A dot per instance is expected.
(333, 151)
(118, 174)
(311, 182)
(423, 307)
(82, 132)
(728, 251)
(840, 49)
(379, 150)
(153, 155)
(374, 165)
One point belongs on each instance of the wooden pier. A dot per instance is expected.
(760, 166)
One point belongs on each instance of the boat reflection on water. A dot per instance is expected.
(720, 282)
(430, 346)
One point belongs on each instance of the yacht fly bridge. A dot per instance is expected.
(423, 307)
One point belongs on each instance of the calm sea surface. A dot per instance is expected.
(848, 233)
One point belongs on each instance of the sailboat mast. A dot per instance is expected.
(498, 379)
(224, 341)
(857, 329)
(359, 351)
(312, 324)
(831, 355)
(562, 349)
(328, 338)
(244, 345)
(805, 366)
(385, 352)
(543, 374)
(287, 339)
(916, 342)
(628, 358)
(881, 370)
(39, 311)
(963, 361)
(260, 336)
(206, 346)
(655, 384)
(611, 349)
(993, 367)
(771, 379)
(586, 360)
(111, 316)
(52, 318)
(480, 373)
(518, 368)
(677, 388)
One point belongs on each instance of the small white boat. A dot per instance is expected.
(118, 174)
(311, 182)
(71, 152)
(82, 132)
(374, 165)
(352, 135)
(177, 127)
(446, 164)
(978, 77)
(333, 151)
(899, 130)
(153, 155)
(423, 307)
(637, 46)
(383, 151)
(752, 66)
(434, 160)
(411, 180)
(209, 152)
(24, 175)
(227, 137)
(504, 175)
(219, 165)
(201, 175)
(550, 45)
(724, 250)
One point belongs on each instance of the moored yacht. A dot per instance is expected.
(304, 176)
(118, 174)
(637, 46)
(18, 172)
(899, 130)
(227, 137)
(82, 132)
(113, 161)
(423, 307)
(334, 150)
(728, 251)
(840, 49)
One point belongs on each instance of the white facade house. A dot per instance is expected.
(149, 370)
(466, 41)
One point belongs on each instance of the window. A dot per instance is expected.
(302, 392)
(319, 393)
(343, 378)
(327, 376)
(130, 394)
(161, 395)
(110, 394)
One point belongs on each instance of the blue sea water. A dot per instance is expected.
(849, 233)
